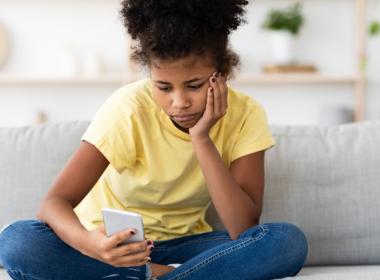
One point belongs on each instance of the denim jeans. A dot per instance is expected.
(31, 250)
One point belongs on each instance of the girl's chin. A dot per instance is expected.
(184, 126)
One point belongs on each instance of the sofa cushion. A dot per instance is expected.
(30, 159)
(326, 180)
(362, 272)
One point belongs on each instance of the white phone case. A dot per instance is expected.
(117, 220)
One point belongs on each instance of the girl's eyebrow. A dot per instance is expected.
(186, 82)
(162, 82)
(192, 80)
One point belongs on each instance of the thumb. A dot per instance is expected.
(102, 229)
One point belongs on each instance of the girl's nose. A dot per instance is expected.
(180, 101)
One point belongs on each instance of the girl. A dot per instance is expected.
(165, 147)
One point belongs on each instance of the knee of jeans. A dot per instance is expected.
(296, 245)
(15, 244)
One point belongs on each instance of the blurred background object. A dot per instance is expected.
(41, 117)
(92, 64)
(70, 65)
(335, 115)
(4, 44)
(284, 26)
(69, 56)
(374, 28)
(289, 68)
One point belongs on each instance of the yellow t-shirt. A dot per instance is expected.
(153, 169)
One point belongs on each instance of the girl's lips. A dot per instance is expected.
(184, 118)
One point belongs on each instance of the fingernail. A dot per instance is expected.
(148, 259)
(150, 247)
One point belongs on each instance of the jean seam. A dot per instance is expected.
(226, 251)
(4, 228)
(169, 247)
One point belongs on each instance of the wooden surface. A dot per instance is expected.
(289, 68)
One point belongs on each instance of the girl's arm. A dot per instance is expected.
(57, 210)
(73, 183)
(237, 193)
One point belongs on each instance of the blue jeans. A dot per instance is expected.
(31, 250)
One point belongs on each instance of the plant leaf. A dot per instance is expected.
(374, 28)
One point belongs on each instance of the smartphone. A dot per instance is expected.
(117, 220)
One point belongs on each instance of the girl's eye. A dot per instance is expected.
(163, 88)
(191, 87)
(194, 87)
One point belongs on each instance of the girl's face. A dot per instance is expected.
(180, 88)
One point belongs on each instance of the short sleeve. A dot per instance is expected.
(111, 131)
(254, 134)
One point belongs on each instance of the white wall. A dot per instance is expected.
(41, 29)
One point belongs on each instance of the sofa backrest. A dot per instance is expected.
(30, 159)
(326, 180)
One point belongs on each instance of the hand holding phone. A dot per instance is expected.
(118, 220)
(113, 250)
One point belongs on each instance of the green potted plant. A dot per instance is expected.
(374, 28)
(284, 26)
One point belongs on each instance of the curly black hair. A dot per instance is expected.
(172, 29)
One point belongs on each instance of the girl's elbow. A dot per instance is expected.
(235, 234)
(40, 212)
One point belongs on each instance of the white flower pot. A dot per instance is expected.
(92, 64)
(282, 47)
(70, 64)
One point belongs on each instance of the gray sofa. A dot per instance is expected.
(326, 180)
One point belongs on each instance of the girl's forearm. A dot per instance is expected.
(236, 209)
(59, 215)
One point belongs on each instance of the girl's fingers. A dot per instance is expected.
(118, 238)
(224, 94)
(217, 96)
(209, 111)
(131, 248)
(132, 260)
